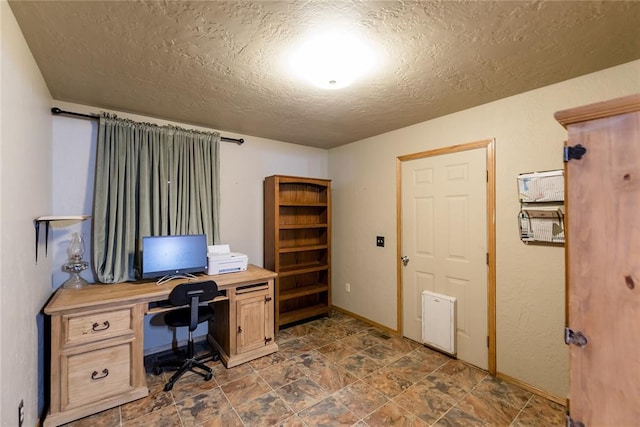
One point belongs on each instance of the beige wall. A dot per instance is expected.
(27, 191)
(530, 279)
(242, 171)
(25, 173)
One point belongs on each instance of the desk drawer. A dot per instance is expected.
(98, 325)
(96, 375)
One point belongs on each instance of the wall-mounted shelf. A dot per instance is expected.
(47, 219)
(542, 224)
(541, 216)
(539, 187)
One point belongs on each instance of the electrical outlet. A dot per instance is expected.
(347, 287)
(21, 413)
(380, 241)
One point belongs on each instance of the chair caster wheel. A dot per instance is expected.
(157, 370)
(208, 377)
(168, 386)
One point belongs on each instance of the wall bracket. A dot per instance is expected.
(47, 220)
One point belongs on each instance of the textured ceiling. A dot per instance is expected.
(223, 64)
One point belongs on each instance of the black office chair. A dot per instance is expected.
(191, 294)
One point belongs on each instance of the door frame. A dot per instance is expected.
(489, 145)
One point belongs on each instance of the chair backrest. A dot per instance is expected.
(183, 293)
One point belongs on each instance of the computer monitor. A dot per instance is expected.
(171, 256)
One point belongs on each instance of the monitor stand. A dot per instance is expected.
(169, 277)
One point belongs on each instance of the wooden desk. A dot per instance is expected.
(97, 337)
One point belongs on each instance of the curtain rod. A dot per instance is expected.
(56, 111)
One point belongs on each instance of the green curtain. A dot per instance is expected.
(150, 181)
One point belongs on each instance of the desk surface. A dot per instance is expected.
(144, 291)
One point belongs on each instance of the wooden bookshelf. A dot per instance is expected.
(297, 246)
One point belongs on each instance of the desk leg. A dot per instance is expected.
(138, 374)
(218, 335)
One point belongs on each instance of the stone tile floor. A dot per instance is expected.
(337, 371)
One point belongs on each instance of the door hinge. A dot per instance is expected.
(574, 152)
(487, 258)
(576, 338)
(572, 423)
(239, 329)
(267, 340)
(487, 341)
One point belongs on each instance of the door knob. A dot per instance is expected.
(405, 260)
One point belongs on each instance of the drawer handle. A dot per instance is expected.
(94, 375)
(105, 325)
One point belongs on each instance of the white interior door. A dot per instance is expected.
(444, 236)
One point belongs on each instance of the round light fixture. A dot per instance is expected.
(332, 60)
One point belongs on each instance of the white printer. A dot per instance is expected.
(221, 260)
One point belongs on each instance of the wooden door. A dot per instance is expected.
(444, 237)
(252, 312)
(603, 263)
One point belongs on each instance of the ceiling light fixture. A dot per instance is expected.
(332, 60)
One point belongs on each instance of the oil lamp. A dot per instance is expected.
(75, 265)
